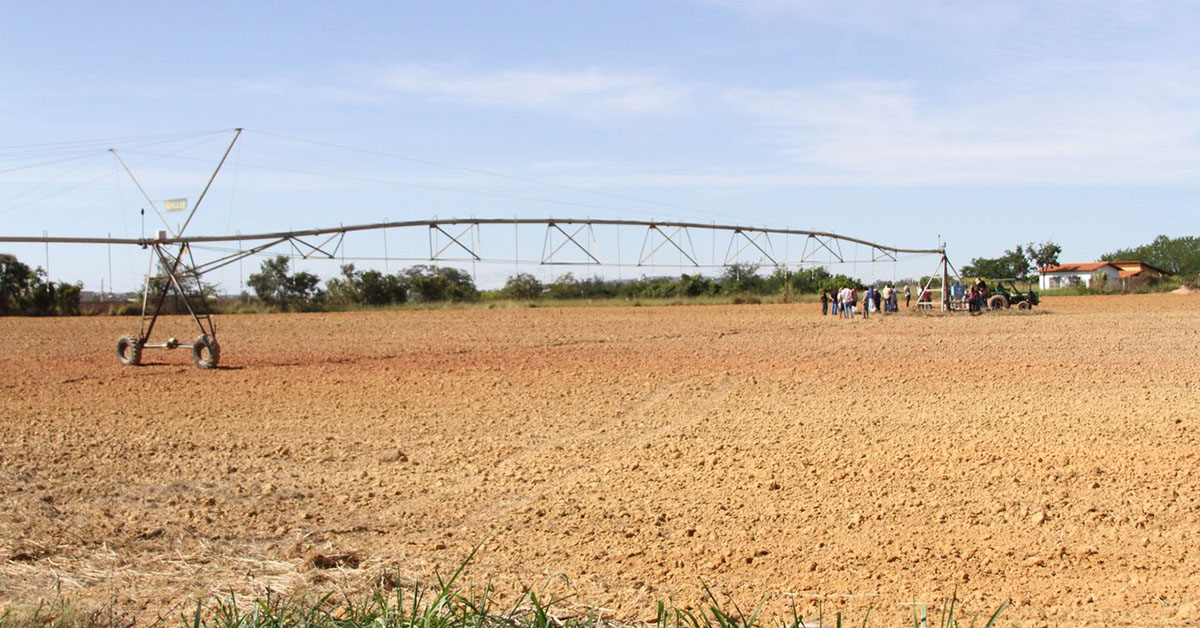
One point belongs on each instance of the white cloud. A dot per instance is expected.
(1057, 121)
(1057, 124)
(589, 91)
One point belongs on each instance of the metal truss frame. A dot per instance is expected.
(828, 241)
(732, 256)
(180, 272)
(549, 250)
(644, 257)
(471, 229)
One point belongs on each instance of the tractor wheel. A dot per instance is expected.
(997, 302)
(129, 350)
(206, 352)
(1024, 305)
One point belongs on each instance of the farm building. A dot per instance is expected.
(1065, 275)
(1135, 268)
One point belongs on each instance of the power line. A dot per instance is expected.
(95, 179)
(491, 173)
(427, 186)
(105, 143)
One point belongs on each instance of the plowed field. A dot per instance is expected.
(633, 452)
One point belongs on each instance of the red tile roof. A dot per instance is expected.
(1138, 266)
(1076, 268)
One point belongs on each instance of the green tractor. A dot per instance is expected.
(1005, 295)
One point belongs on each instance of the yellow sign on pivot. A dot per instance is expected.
(175, 205)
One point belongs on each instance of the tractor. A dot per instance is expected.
(1005, 295)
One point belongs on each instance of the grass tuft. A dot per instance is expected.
(442, 604)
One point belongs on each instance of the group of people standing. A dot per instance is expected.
(976, 295)
(845, 302)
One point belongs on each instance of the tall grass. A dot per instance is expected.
(444, 604)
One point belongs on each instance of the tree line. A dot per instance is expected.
(738, 279)
(1015, 263)
(1176, 256)
(276, 285)
(26, 291)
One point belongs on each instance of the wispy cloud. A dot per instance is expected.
(588, 90)
(1059, 121)
(1055, 124)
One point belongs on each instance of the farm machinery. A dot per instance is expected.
(1005, 295)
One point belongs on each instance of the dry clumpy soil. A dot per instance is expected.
(623, 454)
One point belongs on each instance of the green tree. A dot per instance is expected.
(523, 287)
(742, 278)
(270, 282)
(66, 299)
(440, 283)
(343, 290)
(14, 282)
(1013, 264)
(27, 291)
(1176, 256)
(565, 287)
(1044, 254)
(274, 285)
(303, 290)
(697, 285)
(376, 288)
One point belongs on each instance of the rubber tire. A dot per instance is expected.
(203, 343)
(129, 350)
(1024, 305)
(997, 302)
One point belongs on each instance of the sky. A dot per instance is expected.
(979, 124)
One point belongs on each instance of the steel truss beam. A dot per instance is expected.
(823, 241)
(821, 236)
(644, 257)
(732, 256)
(180, 273)
(454, 240)
(318, 250)
(548, 241)
(878, 254)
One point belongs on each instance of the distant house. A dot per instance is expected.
(1135, 268)
(1065, 275)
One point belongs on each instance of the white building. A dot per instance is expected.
(1066, 275)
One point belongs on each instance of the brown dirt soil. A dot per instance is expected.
(624, 454)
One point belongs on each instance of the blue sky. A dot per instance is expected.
(987, 123)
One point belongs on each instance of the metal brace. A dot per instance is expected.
(644, 257)
(570, 239)
(824, 245)
(454, 240)
(749, 242)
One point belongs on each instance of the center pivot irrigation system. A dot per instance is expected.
(453, 239)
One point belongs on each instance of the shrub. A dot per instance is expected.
(522, 287)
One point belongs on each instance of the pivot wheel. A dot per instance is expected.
(997, 302)
(129, 350)
(206, 352)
